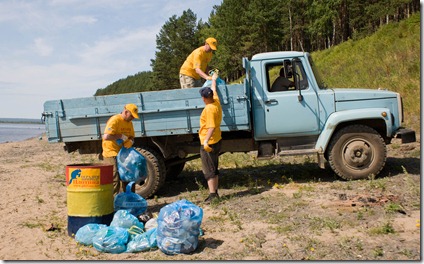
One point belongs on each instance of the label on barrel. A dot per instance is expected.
(84, 177)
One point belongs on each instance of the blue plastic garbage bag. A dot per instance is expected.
(142, 242)
(111, 239)
(124, 219)
(219, 82)
(179, 227)
(131, 165)
(86, 233)
(130, 201)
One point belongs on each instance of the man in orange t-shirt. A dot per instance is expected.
(196, 64)
(210, 137)
(118, 128)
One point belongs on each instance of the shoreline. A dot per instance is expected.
(21, 121)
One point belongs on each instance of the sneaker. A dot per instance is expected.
(212, 197)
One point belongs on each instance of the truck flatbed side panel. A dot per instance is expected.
(168, 112)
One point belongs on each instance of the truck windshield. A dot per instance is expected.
(318, 78)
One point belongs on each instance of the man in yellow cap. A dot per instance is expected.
(196, 64)
(119, 131)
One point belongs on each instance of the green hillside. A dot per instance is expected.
(388, 59)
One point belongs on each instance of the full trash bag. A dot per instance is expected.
(124, 219)
(111, 239)
(219, 82)
(86, 233)
(130, 201)
(131, 165)
(142, 242)
(151, 223)
(179, 227)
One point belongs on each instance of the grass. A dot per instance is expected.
(289, 216)
(388, 59)
(31, 225)
(289, 213)
(377, 184)
(318, 223)
(392, 208)
(40, 200)
(384, 229)
(378, 252)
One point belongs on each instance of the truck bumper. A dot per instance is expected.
(406, 135)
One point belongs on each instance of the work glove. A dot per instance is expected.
(215, 76)
(122, 139)
(206, 147)
(128, 143)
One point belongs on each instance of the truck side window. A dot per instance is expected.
(280, 77)
(303, 81)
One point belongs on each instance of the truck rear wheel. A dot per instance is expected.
(155, 173)
(357, 152)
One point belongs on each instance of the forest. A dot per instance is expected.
(245, 28)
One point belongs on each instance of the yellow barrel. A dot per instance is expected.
(89, 195)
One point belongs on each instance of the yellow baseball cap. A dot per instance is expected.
(133, 109)
(212, 43)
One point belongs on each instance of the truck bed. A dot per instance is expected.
(162, 113)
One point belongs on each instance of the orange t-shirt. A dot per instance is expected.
(197, 59)
(211, 117)
(116, 125)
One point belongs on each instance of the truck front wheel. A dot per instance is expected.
(155, 173)
(357, 152)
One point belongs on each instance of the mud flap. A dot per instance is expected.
(321, 160)
(406, 135)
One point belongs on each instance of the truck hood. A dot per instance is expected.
(341, 94)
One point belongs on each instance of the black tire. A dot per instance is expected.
(155, 173)
(172, 171)
(357, 152)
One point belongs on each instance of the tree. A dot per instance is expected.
(229, 24)
(176, 40)
(139, 82)
(323, 25)
(244, 28)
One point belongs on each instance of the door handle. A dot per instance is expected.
(271, 101)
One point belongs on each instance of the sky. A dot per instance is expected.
(61, 49)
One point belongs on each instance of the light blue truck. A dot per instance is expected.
(348, 128)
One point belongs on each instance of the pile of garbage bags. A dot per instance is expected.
(175, 230)
(125, 234)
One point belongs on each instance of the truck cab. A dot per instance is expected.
(298, 111)
(347, 127)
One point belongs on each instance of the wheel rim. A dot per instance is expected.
(357, 154)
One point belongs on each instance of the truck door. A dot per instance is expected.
(286, 110)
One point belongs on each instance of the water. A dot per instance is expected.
(13, 132)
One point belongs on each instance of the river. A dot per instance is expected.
(13, 132)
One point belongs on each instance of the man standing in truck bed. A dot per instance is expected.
(210, 137)
(196, 64)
